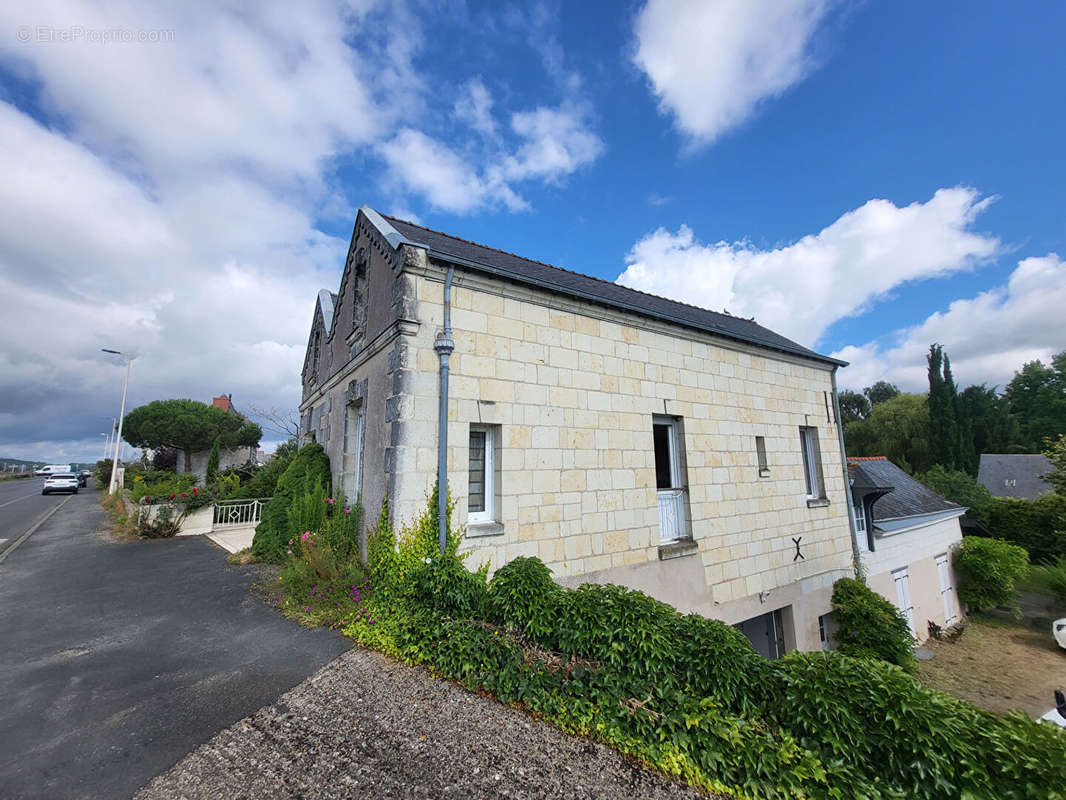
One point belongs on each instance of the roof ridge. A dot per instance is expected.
(564, 269)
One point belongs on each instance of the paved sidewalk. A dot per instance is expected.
(117, 659)
(368, 727)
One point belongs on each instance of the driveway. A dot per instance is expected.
(117, 659)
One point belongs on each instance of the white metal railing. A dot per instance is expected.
(237, 513)
(672, 514)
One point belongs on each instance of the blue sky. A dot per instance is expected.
(864, 177)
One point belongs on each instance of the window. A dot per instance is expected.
(481, 489)
(812, 463)
(860, 517)
(669, 478)
(351, 461)
(760, 451)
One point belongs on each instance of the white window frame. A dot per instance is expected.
(860, 516)
(812, 474)
(487, 516)
(351, 480)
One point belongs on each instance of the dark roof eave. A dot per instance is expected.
(513, 276)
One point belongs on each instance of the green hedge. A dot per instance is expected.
(689, 695)
(870, 626)
(987, 570)
(310, 466)
(1037, 525)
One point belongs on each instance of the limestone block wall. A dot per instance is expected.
(573, 388)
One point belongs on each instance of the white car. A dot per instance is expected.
(60, 482)
(1058, 630)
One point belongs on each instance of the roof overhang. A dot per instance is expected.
(897, 525)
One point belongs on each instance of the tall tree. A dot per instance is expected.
(188, 426)
(943, 425)
(897, 429)
(881, 391)
(1056, 454)
(1037, 400)
(993, 429)
(853, 406)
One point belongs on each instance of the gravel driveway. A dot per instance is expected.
(365, 726)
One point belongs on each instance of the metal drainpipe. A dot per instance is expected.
(444, 347)
(847, 481)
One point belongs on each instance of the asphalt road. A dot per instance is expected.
(21, 505)
(117, 659)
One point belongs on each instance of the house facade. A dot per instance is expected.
(617, 436)
(906, 534)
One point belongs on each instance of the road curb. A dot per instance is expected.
(11, 547)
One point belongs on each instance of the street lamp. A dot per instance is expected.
(107, 442)
(121, 414)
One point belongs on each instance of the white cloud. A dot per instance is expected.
(552, 143)
(988, 337)
(710, 63)
(170, 204)
(801, 289)
(474, 107)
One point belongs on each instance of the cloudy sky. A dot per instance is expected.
(179, 179)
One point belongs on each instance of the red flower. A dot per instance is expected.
(184, 495)
(172, 497)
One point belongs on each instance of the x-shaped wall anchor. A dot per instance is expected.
(796, 540)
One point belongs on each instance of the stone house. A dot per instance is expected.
(618, 436)
(906, 533)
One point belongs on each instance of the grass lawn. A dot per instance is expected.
(998, 665)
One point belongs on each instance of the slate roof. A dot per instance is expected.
(1008, 475)
(585, 287)
(909, 498)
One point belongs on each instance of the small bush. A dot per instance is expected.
(987, 570)
(870, 626)
(308, 467)
(445, 585)
(163, 524)
(523, 596)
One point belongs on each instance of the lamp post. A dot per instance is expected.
(121, 414)
(107, 442)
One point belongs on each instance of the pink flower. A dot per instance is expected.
(347, 511)
(305, 535)
(330, 500)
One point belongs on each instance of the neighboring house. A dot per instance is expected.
(227, 456)
(906, 533)
(1011, 475)
(618, 436)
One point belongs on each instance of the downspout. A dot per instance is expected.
(444, 347)
(856, 558)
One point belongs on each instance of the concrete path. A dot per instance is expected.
(117, 659)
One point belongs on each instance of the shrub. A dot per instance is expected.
(523, 596)
(870, 626)
(308, 467)
(264, 480)
(689, 695)
(987, 570)
(164, 523)
(445, 585)
(102, 473)
(1037, 525)
(156, 485)
(213, 459)
(962, 488)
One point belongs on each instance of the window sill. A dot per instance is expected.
(478, 529)
(817, 502)
(678, 549)
(764, 473)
